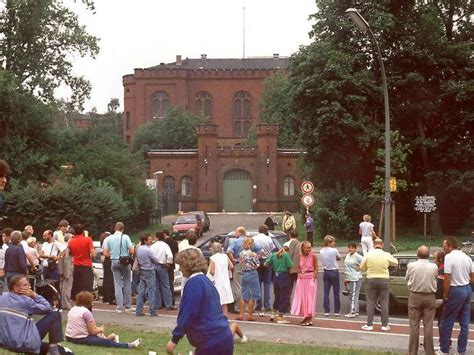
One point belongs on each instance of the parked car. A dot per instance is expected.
(278, 237)
(98, 269)
(206, 222)
(186, 222)
(397, 283)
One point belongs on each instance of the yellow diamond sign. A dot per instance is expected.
(393, 184)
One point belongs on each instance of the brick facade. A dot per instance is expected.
(228, 91)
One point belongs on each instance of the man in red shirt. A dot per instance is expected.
(82, 250)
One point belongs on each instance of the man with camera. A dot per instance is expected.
(119, 248)
(50, 254)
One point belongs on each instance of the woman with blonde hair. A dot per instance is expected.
(200, 315)
(366, 231)
(304, 298)
(219, 267)
(82, 329)
(249, 262)
(329, 257)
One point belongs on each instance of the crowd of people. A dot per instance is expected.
(236, 279)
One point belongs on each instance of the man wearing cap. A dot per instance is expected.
(376, 263)
(421, 281)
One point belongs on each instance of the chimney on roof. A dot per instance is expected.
(179, 61)
(276, 55)
(203, 56)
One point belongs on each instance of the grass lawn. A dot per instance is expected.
(157, 342)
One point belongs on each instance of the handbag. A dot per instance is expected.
(52, 264)
(136, 265)
(124, 260)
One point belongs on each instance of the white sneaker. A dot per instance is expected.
(326, 314)
(261, 314)
(283, 321)
(350, 315)
(136, 343)
(244, 339)
(117, 339)
(386, 329)
(337, 314)
(119, 311)
(368, 328)
(131, 309)
(356, 314)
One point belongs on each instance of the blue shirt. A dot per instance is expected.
(236, 247)
(309, 224)
(146, 258)
(112, 242)
(200, 315)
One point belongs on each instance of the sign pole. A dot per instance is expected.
(424, 225)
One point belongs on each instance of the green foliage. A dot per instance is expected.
(93, 203)
(251, 139)
(338, 211)
(276, 107)
(177, 131)
(40, 39)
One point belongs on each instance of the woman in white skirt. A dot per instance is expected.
(219, 268)
(366, 230)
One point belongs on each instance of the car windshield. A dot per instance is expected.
(190, 219)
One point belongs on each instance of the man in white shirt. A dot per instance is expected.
(263, 240)
(163, 253)
(458, 276)
(421, 279)
(49, 254)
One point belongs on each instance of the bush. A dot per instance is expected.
(96, 204)
(339, 211)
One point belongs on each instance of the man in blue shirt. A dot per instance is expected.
(15, 308)
(116, 246)
(309, 225)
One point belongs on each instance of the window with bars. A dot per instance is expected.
(242, 114)
(288, 186)
(203, 104)
(186, 186)
(160, 104)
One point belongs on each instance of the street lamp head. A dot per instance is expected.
(157, 172)
(358, 20)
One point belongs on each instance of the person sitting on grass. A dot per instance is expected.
(200, 315)
(82, 329)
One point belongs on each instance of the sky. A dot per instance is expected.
(143, 33)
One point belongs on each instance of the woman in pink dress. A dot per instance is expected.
(304, 298)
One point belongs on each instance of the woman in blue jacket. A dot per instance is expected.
(200, 315)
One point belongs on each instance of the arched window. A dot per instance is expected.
(127, 120)
(186, 186)
(288, 186)
(160, 103)
(242, 114)
(203, 103)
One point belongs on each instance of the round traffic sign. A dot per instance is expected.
(307, 200)
(307, 187)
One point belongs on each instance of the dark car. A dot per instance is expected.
(206, 222)
(278, 237)
(186, 222)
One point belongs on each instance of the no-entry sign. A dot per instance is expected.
(307, 187)
(307, 200)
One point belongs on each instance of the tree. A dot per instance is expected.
(335, 86)
(176, 131)
(38, 40)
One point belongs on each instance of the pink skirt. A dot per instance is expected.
(304, 298)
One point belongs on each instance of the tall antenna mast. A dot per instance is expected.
(243, 35)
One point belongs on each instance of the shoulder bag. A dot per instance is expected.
(126, 259)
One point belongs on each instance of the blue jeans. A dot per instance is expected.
(458, 306)
(281, 287)
(265, 278)
(331, 279)
(122, 279)
(225, 346)
(147, 286)
(50, 324)
(95, 340)
(135, 281)
(163, 291)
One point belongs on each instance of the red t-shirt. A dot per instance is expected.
(80, 248)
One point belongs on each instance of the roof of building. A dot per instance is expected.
(272, 63)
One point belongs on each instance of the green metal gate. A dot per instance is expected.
(237, 191)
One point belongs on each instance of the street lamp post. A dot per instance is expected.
(157, 194)
(363, 26)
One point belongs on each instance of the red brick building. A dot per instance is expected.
(220, 174)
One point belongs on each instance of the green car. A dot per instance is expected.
(398, 285)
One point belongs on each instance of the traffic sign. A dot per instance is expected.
(393, 184)
(307, 200)
(307, 187)
(425, 204)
